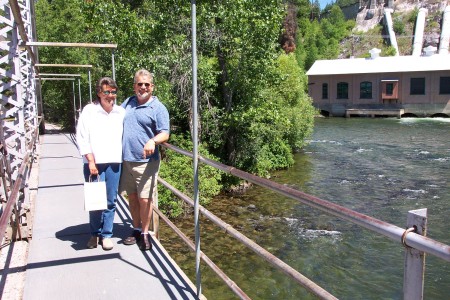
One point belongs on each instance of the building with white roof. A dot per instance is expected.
(397, 85)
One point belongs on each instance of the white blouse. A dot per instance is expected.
(100, 133)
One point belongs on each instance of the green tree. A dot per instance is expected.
(52, 26)
(238, 62)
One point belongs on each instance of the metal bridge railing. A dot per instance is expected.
(19, 184)
(411, 238)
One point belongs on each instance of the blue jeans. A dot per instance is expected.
(101, 221)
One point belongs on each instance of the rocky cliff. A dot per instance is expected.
(370, 30)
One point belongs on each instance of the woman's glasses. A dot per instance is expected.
(109, 92)
(141, 83)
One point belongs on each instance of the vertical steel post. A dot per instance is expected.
(113, 70)
(113, 66)
(90, 85)
(195, 147)
(79, 96)
(74, 105)
(413, 277)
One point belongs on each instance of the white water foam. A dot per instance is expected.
(415, 191)
(361, 150)
(417, 120)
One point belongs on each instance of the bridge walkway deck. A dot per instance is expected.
(59, 265)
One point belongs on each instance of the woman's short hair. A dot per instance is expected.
(104, 81)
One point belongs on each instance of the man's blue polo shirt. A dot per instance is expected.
(141, 123)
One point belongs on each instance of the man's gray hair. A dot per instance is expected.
(143, 72)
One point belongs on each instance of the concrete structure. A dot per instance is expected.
(390, 28)
(445, 32)
(418, 85)
(418, 37)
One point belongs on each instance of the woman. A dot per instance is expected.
(99, 138)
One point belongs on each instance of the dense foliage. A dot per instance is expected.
(252, 56)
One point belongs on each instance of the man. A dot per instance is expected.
(146, 125)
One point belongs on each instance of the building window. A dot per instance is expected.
(365, 90)
(389, 89)
(417, 86)
(342, 90)
(325, 91)
(444, 85)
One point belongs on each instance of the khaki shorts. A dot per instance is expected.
(140, 178)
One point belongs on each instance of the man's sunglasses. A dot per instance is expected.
(109, 92)
(141, 83)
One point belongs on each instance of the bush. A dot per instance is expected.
(388, 51)
(177, 170)
(398, 26)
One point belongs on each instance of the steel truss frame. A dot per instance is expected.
(19, 120)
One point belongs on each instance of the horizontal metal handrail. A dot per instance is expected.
(394, 232)
(230, 283)
(266, 255)
(14, 195)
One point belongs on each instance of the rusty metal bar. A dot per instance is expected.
(13, 197)
(62, 75)
(79, 45)
(64, 65)
(230, 283)
(417, 241)
(266, 255)
(59, 78)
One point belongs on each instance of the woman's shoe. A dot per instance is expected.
(107, 244)
(133, 238)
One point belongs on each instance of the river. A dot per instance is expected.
(379, 167)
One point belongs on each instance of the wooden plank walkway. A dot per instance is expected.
(59, 265)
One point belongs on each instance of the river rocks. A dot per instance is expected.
(251, 207)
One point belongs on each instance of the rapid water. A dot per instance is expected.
(379, 167)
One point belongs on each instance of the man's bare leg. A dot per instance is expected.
(133, 202)
(146, 209)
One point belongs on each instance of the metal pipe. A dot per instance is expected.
(74, 105)
(394, 232)
(64, 65)
(82, 45)
(195, 146)
(55, 74)
(230, 283)
(59, 78)
(113, 66)
(90, 85)
(269, 257)
(79, 96)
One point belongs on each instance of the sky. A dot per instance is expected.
(323, 3)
